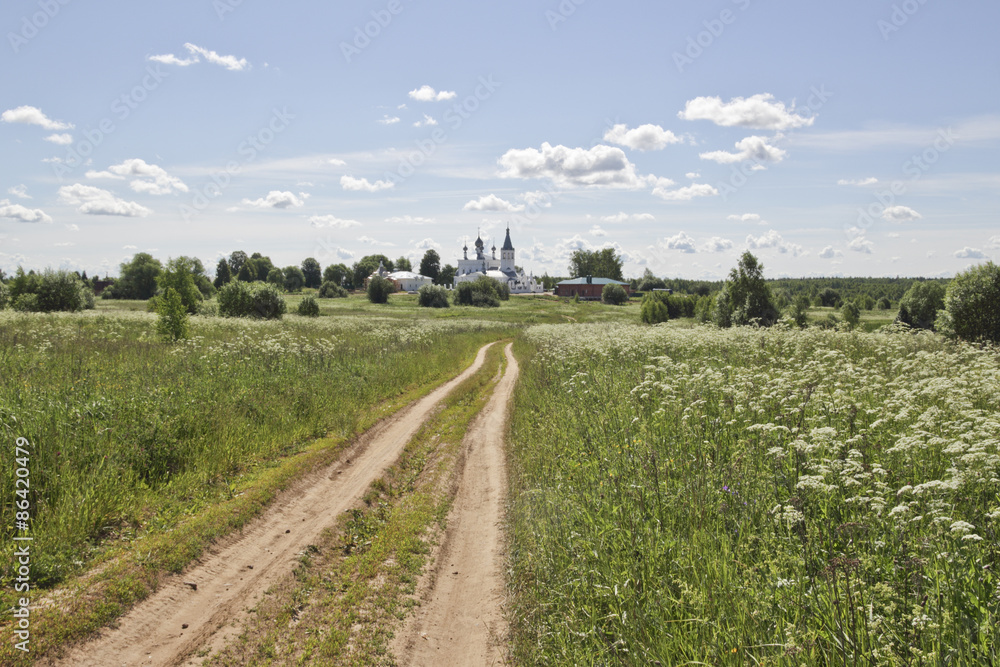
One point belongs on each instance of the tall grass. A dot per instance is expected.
(697, 496)
(129, 434)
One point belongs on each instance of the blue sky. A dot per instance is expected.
(849, 138)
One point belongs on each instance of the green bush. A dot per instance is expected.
(256, 300)
(50, 291)
(433, 296)
(972, 304)
(4, 296)
(883, 304)
(851, 314)
(173, 322)
(483, 292)
(614, 294)
(653, 310)
(703, 309)
(277, 278)
(308, 307)
(745, 299)
(26, 303)
(331, 290)
(379, 289)
(921, 303)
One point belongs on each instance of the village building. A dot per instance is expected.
(404, 281)
(502, 270)
(587, 287)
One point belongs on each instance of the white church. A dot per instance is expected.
(501, 270)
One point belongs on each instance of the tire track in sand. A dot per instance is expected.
(177, 621)
(461, 622)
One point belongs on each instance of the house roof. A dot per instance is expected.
(407, 275)
(592, 281)
(507, 245)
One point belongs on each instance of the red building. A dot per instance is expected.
(587, 287)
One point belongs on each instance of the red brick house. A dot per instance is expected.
(587, 287)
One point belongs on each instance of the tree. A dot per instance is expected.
(447, 275)
(222, 274)
(430, 265)
(614, 294)
(800, 310)
(331, 290)
(236, 261)
(276, 277)
(4, 296)
(653, 310)
(367, 265)
(650, 282)
(830, 298)
(294, 279)
(261, 265)
(336, 273)
(597, 263)
(61, 291)
(308, 307)
(259, 301)
(247, 273)
(379, 289)
(138, 277)
(972, 304)
(173, 321)
(179, 276)
(311, 272)
(851, 314)
(920, 304)
(883, 304)
(745, 298)
(403, 264)
(433, 296)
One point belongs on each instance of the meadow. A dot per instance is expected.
(690, 495)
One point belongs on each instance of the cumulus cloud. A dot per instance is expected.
(686, 193)
(425, 122)
(716, 244)
(597, 231)
(332, 221)
(388, 120)
(994, 242)
(752, 148)
(900, 214)
(22, 213)
(63, 139)
(33, 116)
(829, 252)
(491, 203)
(95, 201)
(860, 181)
(409, 220)
(427, 244)
(861, 244)
(971, 253)
(427, 94)
(370, 241)
(231, 63)
(20, 191)
(643, 138)
(148, 178)
(278, 199)
(363, 185)
(759, 112)
(679, 241)
(692, 175)
(600, 166)
(773, 239)
(539, 198)
(746, 217)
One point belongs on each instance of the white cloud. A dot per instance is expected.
(597, 231)
(231, 63)
(900, 214)
(425, 122)
(22, 213)
(751, 148)
(427, 94)
(860, 181)
(971, 253)
(337, 162)
(370, 241)
(994, 242)
(149, 178)
(622, 216)
(692, 175)
(643, 138)
(67, 244)
(73, 228)
(541, 198)
(332, 221)
(491, 203)
(829, 252)
(862, 245)
(427, 244)
(746, 217)
(388, 120)
(409, 220)
(33, 116)
(679, 241)
(686, 193)
(19, 191)
(600, 166)
(278, 199)
(716, 244)
(130, 247)
(64, 139)
(773, 239)
(758, 112)
(362, 184)
(95, 201)
(893, 235)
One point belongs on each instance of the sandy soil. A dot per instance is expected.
(460, 621)
(180, 622)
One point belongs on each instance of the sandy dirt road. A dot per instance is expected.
(179, 622)
(460, 621)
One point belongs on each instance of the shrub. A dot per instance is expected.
(745, 298)
(614, 294)
(331, 290)
(703, 309)
(295, 280)
(26, 303)
(972, 304)
(259, 301)
(379, 289)
(277, 278)
(433, 296)
(830, 298)
(173, 323)
(483, 292)
(799, 311)
(179, 276)
(308, 307)
(883, 304)
(851, 314)
(920, 304)
(653, 310)
(56, 291)
(4, 296)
